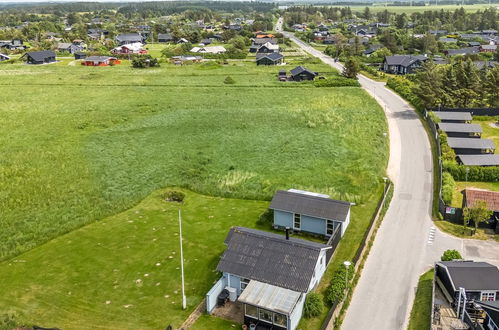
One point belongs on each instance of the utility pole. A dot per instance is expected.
(184, 302)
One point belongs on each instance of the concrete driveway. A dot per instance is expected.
(407, 243)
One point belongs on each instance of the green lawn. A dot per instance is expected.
(85, 143)
(89, 277)
(421, 310)
(490, 131)
(207, 322)
(457, 197)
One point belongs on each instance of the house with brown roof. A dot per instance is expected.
(491, 198)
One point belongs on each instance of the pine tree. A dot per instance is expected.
(429, 87)
(351, 68)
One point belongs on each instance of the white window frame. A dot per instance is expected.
(332, 223)
(294, 221)
(487, 294)
(244, 281)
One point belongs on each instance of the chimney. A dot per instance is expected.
(287, 233)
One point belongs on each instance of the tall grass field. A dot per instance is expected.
(79, 144)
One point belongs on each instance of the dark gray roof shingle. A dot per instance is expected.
(473, 276)
(480, 160)
(470, 143)
(271, 56)
(314, 206)
(450, 115)
(41, 55)
(270, 258)
(300, 69)
(460, 128)
(404, 60)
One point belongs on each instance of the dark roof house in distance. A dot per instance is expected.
(41, 57)
(129, 38)
(453, 117)
(471, 146)
(461, 130)
(403, 64)
(165, 37)
(301, 73)
(269, 58)
(479, 160)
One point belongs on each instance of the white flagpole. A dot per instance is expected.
(181, 260)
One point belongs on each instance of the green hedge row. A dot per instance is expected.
(448, 186)
(403, 87)
(336, 82)
(476, 173)
(339, 283)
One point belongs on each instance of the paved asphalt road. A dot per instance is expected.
(407, 243)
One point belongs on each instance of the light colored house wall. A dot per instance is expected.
(234, 281)
(320, 268)
(212, 295)
(283, 219)
(296, 314)
(345, 224)
(313, 225)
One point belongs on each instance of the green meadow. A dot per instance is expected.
(85, 143)
(86, 238)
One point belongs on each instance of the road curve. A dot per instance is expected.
(384, 294)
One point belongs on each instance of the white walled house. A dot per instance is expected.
(269, 274)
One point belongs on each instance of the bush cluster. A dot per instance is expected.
(448, 154)
(174, 196)
(336, 82)
(337, 289)
(476, 173)
(448, 186)
(229, 80)
(450, 255)
(313, 305)
(404, 88)
(266, 218)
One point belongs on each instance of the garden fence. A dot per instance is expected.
(474, 111)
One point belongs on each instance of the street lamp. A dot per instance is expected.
(347, 266)
(467, 171)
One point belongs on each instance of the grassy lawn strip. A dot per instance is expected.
(421, 310)
(489, 132)
(123, 271)
(457, 230)
(98, 141)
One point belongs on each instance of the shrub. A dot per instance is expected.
(337, 289)
(476, 173)
(313, 305)
(404, 87)
(267, 217)
(144, 61)
(174, 196)
(9, 321)
(336, 82)
(229, 80)
(448, 187)
(450, 255)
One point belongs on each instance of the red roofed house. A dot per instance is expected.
(491, 198)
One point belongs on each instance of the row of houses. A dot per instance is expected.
(266, 276)
(465, 139)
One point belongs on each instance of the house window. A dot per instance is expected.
(251, 311)
(265, 315)
(281, 320)
(488, 296)
(329, 227)
(244, 283)
(297, 221)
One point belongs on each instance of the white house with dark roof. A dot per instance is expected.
(269, 275)
(480, 280)
(310, 212)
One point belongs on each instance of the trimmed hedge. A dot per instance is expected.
(448, 186)
(476, 173)
(404, 87)
(336, 82)
(336, 291)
